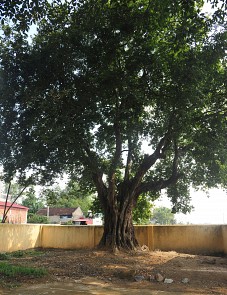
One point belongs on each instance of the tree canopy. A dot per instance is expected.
(99, 79)
(23, 13)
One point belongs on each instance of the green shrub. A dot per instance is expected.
(34, 218)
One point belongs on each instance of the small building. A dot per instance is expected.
(61, 215)
(16, 214)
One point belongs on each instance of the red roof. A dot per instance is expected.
(14, 206)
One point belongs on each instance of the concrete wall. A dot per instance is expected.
(224, 237)
(198, 239)
(15, 237)
(189, 239)
(67, 237)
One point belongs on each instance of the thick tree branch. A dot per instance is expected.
(150, 160)
(101, 188)
(118, 139)
(91, 159)
(161, 183)
(129, 160)
(117, 154)
(97, 174)
(118, 149)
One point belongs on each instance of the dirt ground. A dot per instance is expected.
(206, 274)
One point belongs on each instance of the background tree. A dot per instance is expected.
(70, 196)
(98, 80)
(31, 201)
(34, 203)
(162, 215)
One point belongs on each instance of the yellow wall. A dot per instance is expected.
(224, 236)
(189, 239)
(67, 236)
(198, 239)
(98, 231)
(15, 237)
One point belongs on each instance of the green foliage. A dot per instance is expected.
(34, 218)
(22, 13)
(96, 206)
(4, 256)
(23, 253)
(163, 216)
(9, 270)
(68, 223)
(142, 212)
(16, 272)
(20, 253)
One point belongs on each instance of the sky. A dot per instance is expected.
(207, 210)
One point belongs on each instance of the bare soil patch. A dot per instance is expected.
(206, 274)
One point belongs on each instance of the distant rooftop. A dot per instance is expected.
(57, 211)
(16, 206)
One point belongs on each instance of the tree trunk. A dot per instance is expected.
(119, 232)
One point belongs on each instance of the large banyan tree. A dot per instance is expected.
(127, 96)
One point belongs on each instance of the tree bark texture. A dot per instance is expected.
(118, 228)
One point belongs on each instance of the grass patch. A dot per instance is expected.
(25, 253)
(20, 253)
(4, 256)
(9, 270)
